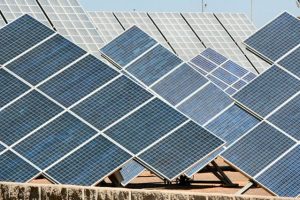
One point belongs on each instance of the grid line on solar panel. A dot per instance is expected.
(130, 171)
(145, 126)
(90, 164)
(191, 143)
(14, 42)
(49, 57)
(2, 148)
(258, 148)
(291, 62)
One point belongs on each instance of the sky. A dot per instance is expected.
(263, 10)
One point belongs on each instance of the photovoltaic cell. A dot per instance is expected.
(179, 84)
(15, 169)
(204, 63)
(214, 56)
(112, 102)
(46, 59)
(10, 87)
(283, 178)
(180, 150)
(277, 38)
(224, 76)
(249, 77)
(205, 104)
(21, 35)
(218, 82)
(257, 149)
(128, 46)
(230, 91)
(287, 118)
(292, 62)
(154, 64)
(2, 148)
(146, 125)
(25, 115)
(234, 68)
(54, 140)
(268, 91)
(232, 124)
(90, 164)
(78, 80)
(130, 171)
(238, 85)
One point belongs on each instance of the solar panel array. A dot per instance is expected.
(76, 108)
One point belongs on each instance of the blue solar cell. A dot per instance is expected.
(225, 76)
(203, 63)
(292, 62)
(10, 87)
(25, 115)
(54, 140)
(130, 171)
(179, 84)
(198, 69)
(287, 118)
(180, 150)
(230, 91)
(21, 35)
(15, 169)
(46, 59)
(146, 125)
(268, 91)
(276, 38)
(153, 65)
(213, 56)
(249, 77)
(218, 82)
(258, 149)
(202, 163)
(112, 102)
(2, 148)
(128, 46)
(283, 178)
(78, 81)
(238, 85)
(90, 164)
(234, 68)
(205, 104)
(232, 124)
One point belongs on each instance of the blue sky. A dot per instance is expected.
(263, 10)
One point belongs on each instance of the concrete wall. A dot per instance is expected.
(13, 191)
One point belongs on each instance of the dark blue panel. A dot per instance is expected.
(78, 81)
(130, 171)
(213, 56)
(268, 91)
(91, 163)
(238, 85)
(176, 153)
(225, 76)
(231, 91)
(146, 125)
(198, 69)
(2, 148)
(179, 84)
(55, 140)
(46, 59)
(287, 118)
(203, 63)
(276, 38)
(10, 87)
(258, 149)
(25, 115)
(15, 169)
(153, 65)
(128, 46)
(292, 62)
(232, 124)
(21, 35)
(234, 68)
(205, 104)
(112, 102)
(249, 77)
(283, 178)
(216, 81)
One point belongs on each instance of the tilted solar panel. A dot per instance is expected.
(2, 148)
(130, 171)
(292, 62)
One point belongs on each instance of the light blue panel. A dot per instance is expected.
(213, 56)
(225, 76)
(203, 63)
(130, 171)
(234, 68)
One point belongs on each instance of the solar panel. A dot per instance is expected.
(179, 84)
(90, 164)
(203, 63)
(278, 180)
(258, 149)
(183, 148)
(54, 140)
(268, 91)
(232, 124)
(291, 62)
(145, 126)
(131, 170)
(213, 56)
(78, 80)
(225, 76)
(49, 57)
(10, 87)
(14, 42)
(13, 168)
(2, 148)
(132, 44)
(273, 42)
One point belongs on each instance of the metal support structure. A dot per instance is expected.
(245, 188)
(116, 178)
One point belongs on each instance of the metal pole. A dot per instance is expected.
(202, 6)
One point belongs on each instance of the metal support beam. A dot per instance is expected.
(116, 178)
(245, 188)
